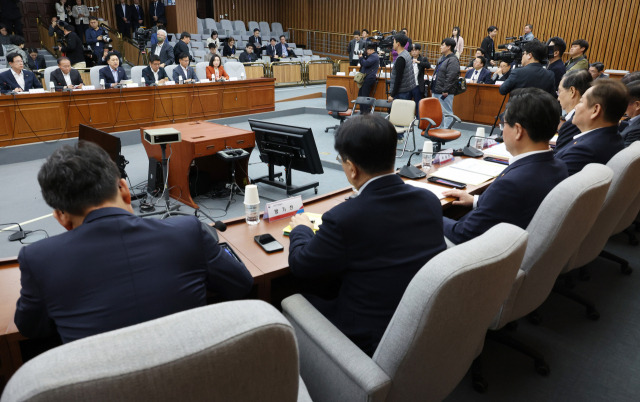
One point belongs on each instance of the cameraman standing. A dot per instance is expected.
(532, 74)
(445, 78)
(72, 47)
(96, 37)
(369, 65)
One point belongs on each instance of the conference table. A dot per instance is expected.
(265, 268)
(49, 116)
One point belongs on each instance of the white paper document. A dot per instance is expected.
(437, 190)
(479, 166)
(461, 175)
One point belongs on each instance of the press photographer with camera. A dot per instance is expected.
(71, 46)
(369, 65)
(97, 37)
(532, 74)
(355, 48)
(54, 29)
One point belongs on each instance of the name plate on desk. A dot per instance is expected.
(233, 78)
(132, 85)
(282, 209)
(36, 91)
(88, 87)
(169, 83)
(203, 81)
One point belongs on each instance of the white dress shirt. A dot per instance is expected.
(67, 78)
(159, 48)
(19, 78)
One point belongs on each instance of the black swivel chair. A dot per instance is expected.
(337, 105)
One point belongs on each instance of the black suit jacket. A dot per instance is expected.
(375, 243)
(423, 65)
(136, 14)
(8, 83)
(531, 75)
(631, 132)
(248, 58)
(179, 49)
(256, 42)
(558, 69)
(37, 64)
(120, 14)
(565, 134)
(73, 50)
(483, 78)
(489, 48)
(598, 146)
(280, 51)
(513, 197)
(166, 53)
(228, 51)
(116, 270)
(149, 78)
(107, 76)
(157, 10)
(58, 78)
(271, 51)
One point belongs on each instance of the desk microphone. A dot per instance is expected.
(219, 225)
(411, 172)
(471, 151)
(20, 234)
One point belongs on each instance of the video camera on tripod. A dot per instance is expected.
(513, 50)
(384, 41)
(142, 35)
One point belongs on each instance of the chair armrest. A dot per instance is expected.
(455, 118)
(332, 367)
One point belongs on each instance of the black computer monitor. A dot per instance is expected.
(289, 146)
(110, 143)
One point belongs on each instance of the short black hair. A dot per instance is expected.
(77, 177)
(631, 77)
(273, 40)
(93, 18)
(185, 34)
(579, 79)
(559, 45)
(530, 26)
(536, 48)
(256, 30)
(153, 57)
(365, 30)
(612, 96)
(415, 46)
(536, 111)
(16, 40)
(401, 38)
(282, 36)
(182, 56)
(248, 45)
(111, 54)
(449, 42)
(634, 91)
(12, 56)
(582, 43)
(598, 65)
(481, 50)
(483, 60)
(492, 28)
(214, 32)
(63, 58)
(369, 141)
(34, 50)
(4, 26)
(372, 46)
(356, 32)
(212, 45)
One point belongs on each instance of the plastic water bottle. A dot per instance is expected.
(102, 83)
(427, 154)
(142, 82)
(52, 87)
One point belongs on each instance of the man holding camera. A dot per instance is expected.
(356, 48)
(72, 46)
(96, 37)
(532, 74)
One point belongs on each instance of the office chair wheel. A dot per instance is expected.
(542, 368)
(592, 314)
(584, 274)
(626, 269)
(535, 318)
(480, 385)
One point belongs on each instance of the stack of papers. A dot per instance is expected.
(480, 166)
(498, 151)
(470, 171)
(316, 219)
(437, 190)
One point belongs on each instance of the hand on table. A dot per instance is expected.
(465, 199)
(301, 219)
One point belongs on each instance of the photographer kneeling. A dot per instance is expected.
(532, 74)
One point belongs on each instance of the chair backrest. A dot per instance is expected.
(226, 25)
(264, 28)
(307, 52)
(561, 222)
(136, 74)
(94, 75)
(169, 70)
(252, 26)
(622, 192)
(209, 23)
(190, 355)
(239, 27)
(47, 76)
(195, 37)
(277, 27)
(200, 26)
(235, 70)
(403, 112)
(196, 45)
(441, 321)
(201, 70)
(337, 99)
(429, 107)
(298, 52)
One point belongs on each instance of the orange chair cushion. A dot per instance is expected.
(347, 113)
(443, 134)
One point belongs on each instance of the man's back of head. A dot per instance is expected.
(534, 110)
(537, 50)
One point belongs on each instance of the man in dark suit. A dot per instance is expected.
(532, 74)
(479, 73)
(631, 132)
(113, 269)
(355, 49)
(597, 116)
(65, 76)
(283, 49)
(112, 74)
(373, 243)
(369, 65)
(248, 56)
(16, 78)
(35, 60)
(502, 73)
(256, 40)
(182, 47)
(488, 44)
(556, 65)
(156, 12)
(123, 18)
(163, 49)
(183, 70)
(572, 86)
(531, 118)
(72, 47)
(271, 49)
(153, 73)
(137, 15)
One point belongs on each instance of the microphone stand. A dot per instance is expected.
(472, 151)
(496, 120)
(412, 172)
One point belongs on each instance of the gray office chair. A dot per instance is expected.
(435, 333)
(236, 351)
(558, 227)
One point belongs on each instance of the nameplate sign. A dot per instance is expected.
(282, 209)
(233, 78)
(132, 85)
(36, 91)
(341, 73)
(88, 87)
(170, 83)
(204, 81)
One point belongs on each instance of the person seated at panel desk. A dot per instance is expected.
(215, 71)
(113, 73)
(65, 76)
(531, 119)
(374, 243)
(597, 116)
(479, 73)
(153, 73)
(112, 269)
(502, 73)
(16, 78)
(183, 70)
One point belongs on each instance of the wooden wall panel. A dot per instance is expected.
(610, 26)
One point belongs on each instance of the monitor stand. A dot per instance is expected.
(291, 189)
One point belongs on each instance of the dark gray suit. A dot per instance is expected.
(166, 53)
(149, 77)
(58, 78)
(631, 133)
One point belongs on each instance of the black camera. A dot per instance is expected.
(512, 51)
(106, 38)
(142, 35)
(62, 42)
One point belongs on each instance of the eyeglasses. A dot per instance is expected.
(339, 158)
